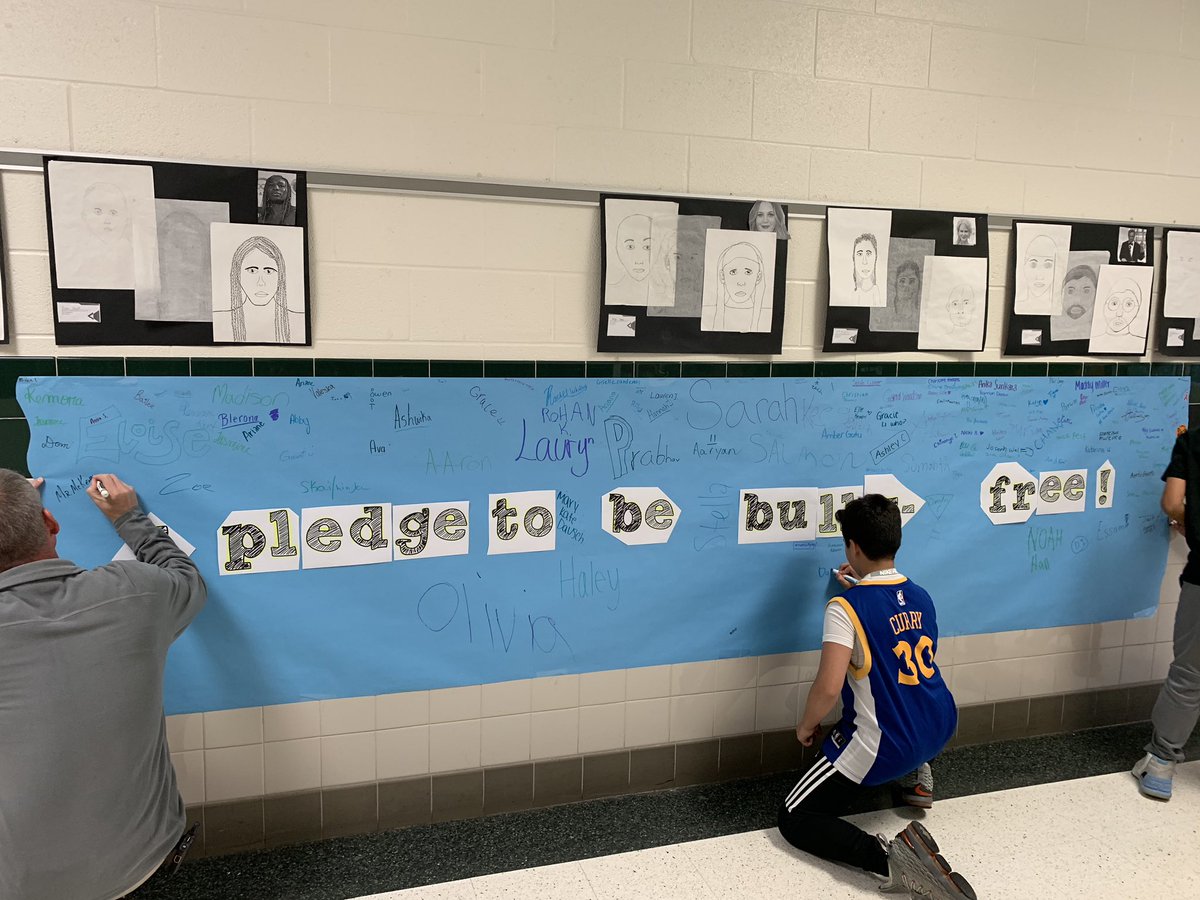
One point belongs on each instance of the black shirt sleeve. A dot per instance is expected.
(1177, 468)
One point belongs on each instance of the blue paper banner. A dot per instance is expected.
(200, 449)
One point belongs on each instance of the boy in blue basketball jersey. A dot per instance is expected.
(880, 639)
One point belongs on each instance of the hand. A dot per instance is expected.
(36, 482)
(120, 500)
(806, 736)
(1176, 525)
(843, 570)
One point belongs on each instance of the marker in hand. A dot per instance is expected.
(849, 578)
(100, 487)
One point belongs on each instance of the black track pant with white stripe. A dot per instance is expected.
(809, 819)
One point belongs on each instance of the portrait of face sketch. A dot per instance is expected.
(1121, 307)
(1041, 262)
(866, 253)
(766, 216)
(106, 213)
(961, 306)
(859, 242)
(252, 299)
(629, 236)
(1079, 292)
(740, 273)
(1182, 297)
(677, 265)
(1121, 318)
(908, 285)
(739, 300)
(964, 231)
(1039, 267)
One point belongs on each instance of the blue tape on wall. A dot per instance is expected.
(199, 449)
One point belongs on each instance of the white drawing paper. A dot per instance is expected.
(1078, 295)
(181, 287)
(1133, 244)
(276, 198)
(250, 541)
(621, 326)
(1031, 337)
(858, 241)
(1121, 318)
(1182, 297)
(829, 501)
(628, 226)
(102, 219)
(1008, 494)
(905, 270)
(776, 515)
(739, 281)
(1175, 337)
(257, 284)
(88, 313)
(845, 336)
(356, 535)
(1063, 491)
(637, 516)
(768, 217)
(425, 530)
(1106, 485)
(126, 552)
(953, 303)
(964, 231)
(522, 522)
(677, 269)
(1042, 251)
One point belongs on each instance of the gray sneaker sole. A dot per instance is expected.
(925, 870)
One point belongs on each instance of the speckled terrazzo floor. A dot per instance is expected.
(1088, 818)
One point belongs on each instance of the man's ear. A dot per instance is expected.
(52, 526)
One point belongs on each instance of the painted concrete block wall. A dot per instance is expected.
(1068, 108)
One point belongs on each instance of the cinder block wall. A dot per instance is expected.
(1075, 108)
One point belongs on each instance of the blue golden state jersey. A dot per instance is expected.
(896, 709)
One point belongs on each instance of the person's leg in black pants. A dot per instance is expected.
(810, 820)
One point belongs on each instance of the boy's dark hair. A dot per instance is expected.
(872, 522)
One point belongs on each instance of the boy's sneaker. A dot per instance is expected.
(1154, 776)
(915, 865)
(917, 789)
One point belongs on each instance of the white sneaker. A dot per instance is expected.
(916, 865)
(1154, 776)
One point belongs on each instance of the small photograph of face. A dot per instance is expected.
(961, 306)
(769, 217)
(964, 231)
(276, 198)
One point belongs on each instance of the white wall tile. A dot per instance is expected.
(345, 296)
(145, 122)
(231, 773)
(980, 62)
(625, 28)
(718, 166)
(292, 65)
(292, 765)
(189, 775)
(454, 745)
(79, 40)
(733, 711)
(1072, 671)
(1003, 679)
(1028, 17)
(1184, 151)
(970, 682)
(381, 15)
(878, 50)
(690, 99)
(647, 722)
(24, 209)
(621, 159)
(348, 714)
(35, 113)
(1164, 655)
(401, 72)
(30, 305)
(1021, 131)
(505, 698)
(393, 230)
(576, 299)
(1122, 141)
(1137, 664)
(847, 176)
(1072, 74)
(399, 710)
(807, 259)
(402, 752)
(932, 123)
(602, 687)
(1108, 634)
(601, 727)
(799, 109)
(1189, 32)
(537, 238)
(754, 34)
(555, 692)
(692, 717)
(1037, 676)
(1152, 26)
(453, 306)
(1141, 631)
(289, 721)
(694, 677)
(504, 739)
(776, 706)
(1105, 667)
(455, 704)
(647, 682)
(737, 673)
(1166, 622)
(954, 12)
(347, 758)
(518, 23)
(554, 733)
(552, 88)
(185, 732)
(233, 727)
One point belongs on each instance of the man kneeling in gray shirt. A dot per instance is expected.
(89, 808)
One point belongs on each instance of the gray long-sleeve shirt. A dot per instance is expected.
(88, 800)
